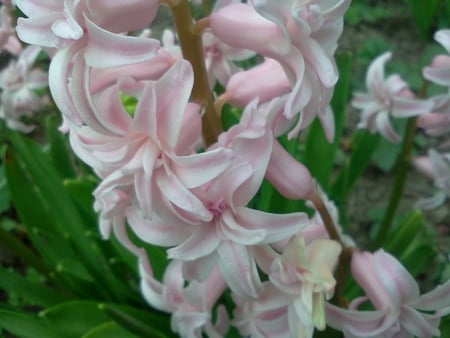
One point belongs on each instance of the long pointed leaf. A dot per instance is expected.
(75, 318)
(33, 293)
(26, 325)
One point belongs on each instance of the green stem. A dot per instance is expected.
(341, 275)
(398, 184)
(402, 166)
(345, 256)
(192, 48)
(326, 218)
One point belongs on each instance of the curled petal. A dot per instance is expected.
(200, 244)
(384, 126)
(375, 74)
(106, 49)
(239, 269)
(276, 226)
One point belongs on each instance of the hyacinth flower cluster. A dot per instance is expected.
(144, 114)
(20, 80)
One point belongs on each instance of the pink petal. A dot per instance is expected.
(199, 269)
(37, 30)
(359, 324)
(395, 279)
(416, 324)
(437, 299)
(404, 107)
(172, 189)
(156, 231)
(277, 227)
(106, 49)
(375, 75)
(121, 16)
(443, 37)
(195, 170)
(383, 125)
(231, 230)
(291, 178)
(201, 243)
(57, 80)
(239, 269)
(173, 91)
(235, 25)
(145, 115)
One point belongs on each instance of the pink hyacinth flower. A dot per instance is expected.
(19, 81)
(297, 35)
(386, 98)
(439, 70)
(227, 238)
(8, 38)
(150, 152)
(437, 122)
(437, 168)
(293, 303)
(190, 306)
(92, 28)
(400, 309)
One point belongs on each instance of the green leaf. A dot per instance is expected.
(145, 324)
(418, 259)
(74, 318)
(4, 191)
(445, 326)
(56, 212)
(33, 293)
(109, 330)
(60, 151)
(424, 13)
(385, 156)
(60, 248)
(26, 325)
(362, 148)
(401, 237)
(81, 191)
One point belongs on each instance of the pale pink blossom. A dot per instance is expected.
(436, 167)
(263, 317)
(437, 121)
(439, 69)
(293, 304)
(302, 37)
(386, 98)
(265, 81)
(224, 240)
(8, 38)
(190, 306)
(92, 28)
(219, 59)
(149, 155)
(19, 82)
(291, 178)
(400, 309)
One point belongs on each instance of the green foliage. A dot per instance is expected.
(424, 14)
(362, 11)
(80, 278)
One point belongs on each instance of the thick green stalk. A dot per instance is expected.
(191, 45)
(397, 187)
(402, 166)
(326, 218)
